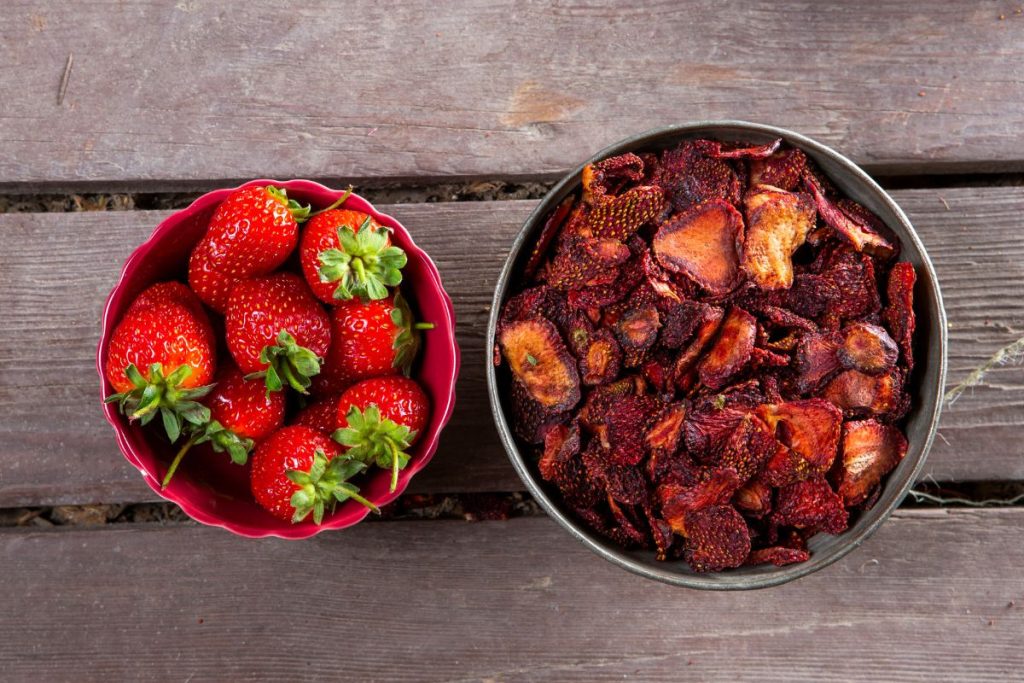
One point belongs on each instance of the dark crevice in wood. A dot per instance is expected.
(472, 506)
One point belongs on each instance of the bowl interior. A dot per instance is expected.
(925, 383)
(207, 486)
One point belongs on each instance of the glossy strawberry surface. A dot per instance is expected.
(244, 406)
(289, 448)
(321, 234)
(362, 344)
(398, 399)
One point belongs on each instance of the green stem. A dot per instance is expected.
(335, 205)
(423, 326)
(286, 370)
(360, 499)
(394, 464)
(177, 461)
(357, 265)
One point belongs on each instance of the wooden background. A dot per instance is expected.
(190, 95)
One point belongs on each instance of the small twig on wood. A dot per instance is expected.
(1011, 353)
(65, 78)
(944, 202)
(921, 496)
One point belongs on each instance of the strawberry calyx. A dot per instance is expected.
(298, 211)
(287, 362)
(324, 485)
(407, 341)
(365, 265)
(164, 396)
(219, 437)
(374, 439)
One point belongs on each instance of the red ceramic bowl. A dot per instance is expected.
(207, 486)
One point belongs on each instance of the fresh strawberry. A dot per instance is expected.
(297, 470)
(346, 254)
(161, 360)
(381, 417)
(251, 233)
(277, 330)
(369, 339)
(242, 413)
(177, 293)
(321, 415)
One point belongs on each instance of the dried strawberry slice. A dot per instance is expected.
(857, 393)
(561, 445)
(581, 261)
(867, 348)
(712, 487)
(809, 428)
(637, 329)
(539, 360)
(607, 176)
(683, 371)
(717, 538)
(862, 237)
(815, 361)
(778, 555)
(899, 313)
(784, 169)
(601, 361)
(530, 419)
(703, 244)
(777, 224)
(811, 505)
(861, 214)
(870, 451)
(666, 431)
(719, 150)
(679, 323)
(853, 276)
(621, 216)
(730, 351)
(552, 225)
(688, 177)
(754, 499)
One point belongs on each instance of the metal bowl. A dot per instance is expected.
(925, 386)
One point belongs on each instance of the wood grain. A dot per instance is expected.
(935, 595)
(207, 92)
(66, 453)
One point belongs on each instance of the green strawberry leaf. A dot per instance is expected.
(287, 362)
(326, 483)
(373, 439)
(364, 264)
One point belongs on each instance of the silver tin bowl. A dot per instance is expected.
(926, 383)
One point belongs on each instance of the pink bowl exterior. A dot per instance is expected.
(221, 496)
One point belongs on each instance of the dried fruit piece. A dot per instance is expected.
(783, 169)
(809, 428)
(621, 427)
(861, 214)
(530, 419)
(731, 350)
(637, 330)
(665, 433)
(870, 451)
(862, 237)
(754, 498)
(608, 175)
(853, 276)
(551, 228)
(602, 359)
(719, 150)
(683, 371)
(712, 487)
(585, 262)
(867, 348)
(899, 314)
(717, 538)
(703, 244)
(778, 555)
(777, 224)
(816, 359)
(561, 445)
(857, 393)
(811, 505)
(540, 361)
(688, 177)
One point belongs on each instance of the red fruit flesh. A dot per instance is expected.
(703, 244)
(398, 399)
(321, 415)
(169, 334)
(244, 407)
(289, 448)
(260, 308)
(251, 233)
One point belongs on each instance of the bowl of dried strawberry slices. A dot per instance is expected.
(716, 355)
(278, 359)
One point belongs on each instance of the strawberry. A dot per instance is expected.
(173, 346)
(277, 330)
(346, 254)
(297, 470)
(381, 417)
(174, 292)
(242, 414)
(369, 339)
(251, 233)
(321, 415)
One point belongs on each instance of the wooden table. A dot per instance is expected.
(188, 95)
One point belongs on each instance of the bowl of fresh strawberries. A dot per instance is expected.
(718, 354)
(278, 359)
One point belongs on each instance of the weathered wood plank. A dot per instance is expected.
(56, 448)
(936, 595)
(206, 92)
